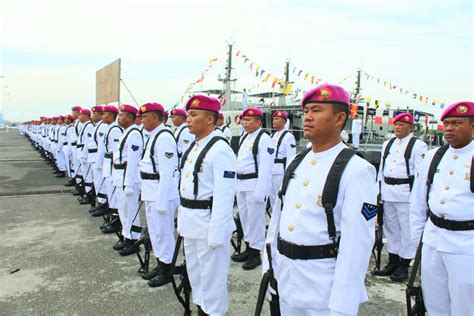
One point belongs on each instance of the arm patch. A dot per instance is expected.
(229, 174)
(135, 147)
(271, 150)
(369, 211)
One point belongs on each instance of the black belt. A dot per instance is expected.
(280, 160)
(74, 143)
(120, 166)
(450, 224)
(150, 176)
(396, 181)
(108, 155)
(195, 204)
(92, 150)
(65, 143)
(79, 145)
(247, 176)
(294, 251)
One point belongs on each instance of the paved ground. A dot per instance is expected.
(56, 261)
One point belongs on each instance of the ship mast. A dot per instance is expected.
(227, 80)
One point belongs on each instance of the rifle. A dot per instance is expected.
(378, 245)
(418, 309)
(182, 290)
(268, 279)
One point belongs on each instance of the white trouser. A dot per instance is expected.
(60, 160)
(287, 310)
(252, 217)
(161, 230)
(447, 280)
(355, 140)
(112, 197)
(67, 162)
(208, 270)
(396, 227)
(87, 174)
(128, 209)
(99, 183)
(277, 179)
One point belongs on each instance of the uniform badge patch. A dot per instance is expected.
(135, 147)
(369, 211)
(270, 150)
(293, 145)
(169, 155)
(101, 134)
(229, 174)
(89, 134)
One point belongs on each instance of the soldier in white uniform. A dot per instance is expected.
(126, 178)
(76, 164)
(182, 135)
(321, 254)
(400, 161)
(205, 218)
(96, 157)
(111, 140)
(254, 173)
(356, 130)
(285, 148)
(160, 176)
(445, 196)
(221, 126)
(67, 146)
(83, 151)
(61, 139)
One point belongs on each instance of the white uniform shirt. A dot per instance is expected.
(183, 138)
(61, 137)
(325, 283)
(246, 165)
(166, 163)
(286, 150)
(99, 140)
(217, 181)
(111, 141)
(225, 131)
(84, 137)
(450, 197)
(395, 167)
(131, 153)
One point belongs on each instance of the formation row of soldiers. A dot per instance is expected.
(323, 199)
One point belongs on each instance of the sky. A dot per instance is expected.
(51, 50)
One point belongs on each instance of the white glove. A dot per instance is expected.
(258, 199)
(270, 291)
(128, 191)
(212, 245)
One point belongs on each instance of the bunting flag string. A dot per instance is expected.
(396, 88)
(210, 64)
(265, 76)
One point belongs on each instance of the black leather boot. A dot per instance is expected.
(243, 256)
(253, 260)
(163, 277)
(401, 272)
(120, 244)
(130, 248)
(152, 273)
(393, 262)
